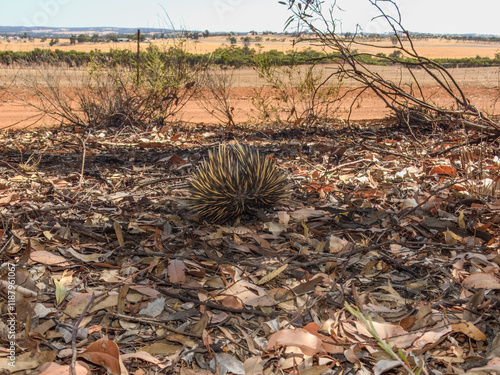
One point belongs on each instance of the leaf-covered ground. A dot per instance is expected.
(105, 270)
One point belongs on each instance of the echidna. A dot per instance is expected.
(235, 180)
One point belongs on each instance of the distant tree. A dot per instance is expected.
(134, 37)
(205, 34)
(397, 54)
(258, 39)
(232, 40)
(53, 41)
(94, 38)
(43, 39)
(246, 41)
(194, 35)
(82, 38)
(394, 40)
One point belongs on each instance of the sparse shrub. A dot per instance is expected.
(301, 94)
(109, 94)
(168, 80)
(397, 54)
(215, 93)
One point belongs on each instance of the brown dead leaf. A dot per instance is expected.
(396, 334)
(118, 232)
(232, 302)
(443, 170)
(27, 362)
(48, 258)
(105, 353)
(146, 357)
(250, 294)
(254, 366)
(313, 328)
(272, 275)
(77, 304)
(146, 290)
(494, 347)
(471, 312)
(470, 330)
(481, 280)
(52, 368)
(161, 347)
(176, 274)
(492, 367)
(309, 344)
(196, 371)
(5, 200)
(451, 238)
(423, 317)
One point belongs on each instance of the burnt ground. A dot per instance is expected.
(402, 226)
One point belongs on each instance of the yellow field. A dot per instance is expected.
(432, 48)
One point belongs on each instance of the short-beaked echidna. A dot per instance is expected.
(236, 179)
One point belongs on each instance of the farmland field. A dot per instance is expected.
(432, 48)
(481, 85)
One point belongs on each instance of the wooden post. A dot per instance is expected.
(138, 55)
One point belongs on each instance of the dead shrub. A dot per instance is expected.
(106, 94)
(300, 94)
(215, 93)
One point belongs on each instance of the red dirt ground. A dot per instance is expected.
(370, 107)
(480, 85)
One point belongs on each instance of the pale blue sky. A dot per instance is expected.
(436, 16)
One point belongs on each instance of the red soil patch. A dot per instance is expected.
(480, 85)
(14, 111)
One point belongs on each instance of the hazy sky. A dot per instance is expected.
(435, 16)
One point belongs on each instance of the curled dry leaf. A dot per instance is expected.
(313, 328)
(308, 343)
(470, 330)
(105, 353)
(250, 294)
